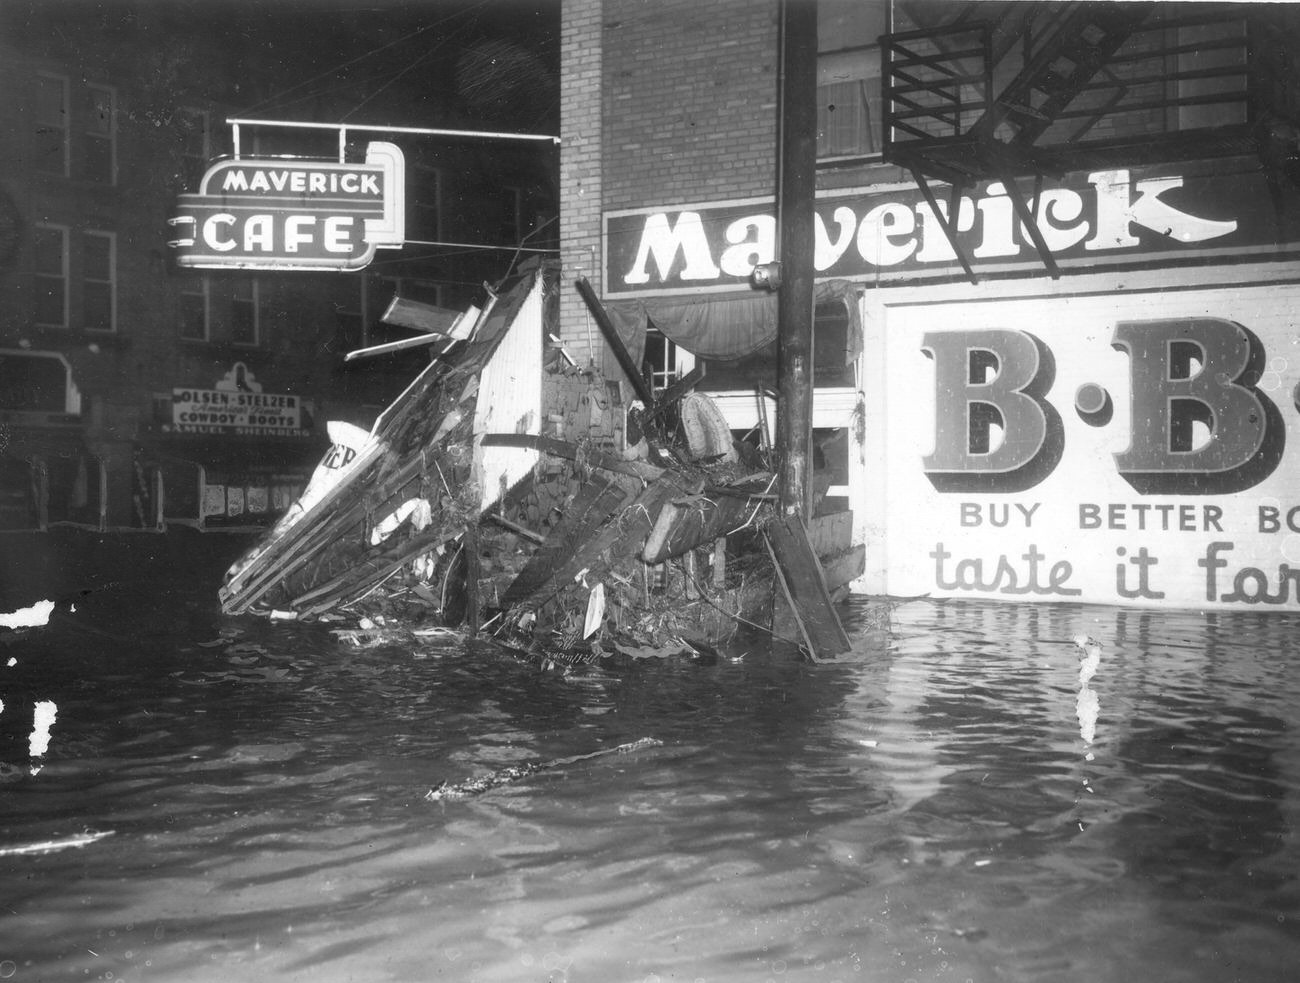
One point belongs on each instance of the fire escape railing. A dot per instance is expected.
(1056, 87)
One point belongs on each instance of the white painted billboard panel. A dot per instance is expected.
(1121, 448)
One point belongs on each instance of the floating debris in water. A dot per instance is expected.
(1087, 705)
(39, 742)
(50, 846)
(512, 773)
(36, 616)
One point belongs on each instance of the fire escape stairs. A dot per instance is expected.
(1060, 63)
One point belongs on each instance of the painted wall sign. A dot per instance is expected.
(293, 213)
(1124, 449)
(1090, 220)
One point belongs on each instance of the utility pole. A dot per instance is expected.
(796, 190)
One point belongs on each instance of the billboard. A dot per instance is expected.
(289, 213)
(1120, 449)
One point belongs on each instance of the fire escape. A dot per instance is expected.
(1017, 92)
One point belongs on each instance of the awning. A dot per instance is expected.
(721, 327)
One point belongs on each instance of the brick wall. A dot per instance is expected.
(580, 170)
(689, 100)
(662, 101)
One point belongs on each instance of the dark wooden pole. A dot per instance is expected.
(796, 190)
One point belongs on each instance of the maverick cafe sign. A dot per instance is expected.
(1090, 220)
(293, 213)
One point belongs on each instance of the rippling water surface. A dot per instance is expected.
(952, 803)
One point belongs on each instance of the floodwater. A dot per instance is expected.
(952, 803)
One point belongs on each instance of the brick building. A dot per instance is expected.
(109, 112)
(1056, 258)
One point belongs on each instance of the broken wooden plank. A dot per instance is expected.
(684, 524)
(395, 346)
(844, 568)
(403, 312)
(572, 452)
(800, 574)
(596, 502)
(622, 537)
(523, 532)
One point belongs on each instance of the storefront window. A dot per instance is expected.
(36, 382)
(665, 360)
(759, 370)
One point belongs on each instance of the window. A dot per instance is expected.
(848, 77)
(37, 382)
(98, 281)
(666, 361)
(196, 145)
(51, 143)
(195, 309)
(245, 312)
(50, 267)
(100, 161)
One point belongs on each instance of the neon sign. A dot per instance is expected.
(293, 213)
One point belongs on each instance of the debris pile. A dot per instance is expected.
(465, 505)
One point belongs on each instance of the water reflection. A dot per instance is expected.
(930, 809)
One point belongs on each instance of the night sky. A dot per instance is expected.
(438, 63)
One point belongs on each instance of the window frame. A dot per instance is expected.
(254, 302)
(110, 282)
(92, 134)
(38, 275)
(204, 292)
(62, 126)
(676, 363)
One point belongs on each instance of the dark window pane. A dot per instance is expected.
(49, 251)
(51, 125)
(49, 302)
(243, 323)
(97, 304)
(97, 257)
(194, 317)
(98, 160)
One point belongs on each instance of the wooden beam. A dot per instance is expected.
(561, 448)
(630, 368)
(800, 574)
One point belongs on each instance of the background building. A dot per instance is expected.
(1056, 251)
(109, 111)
